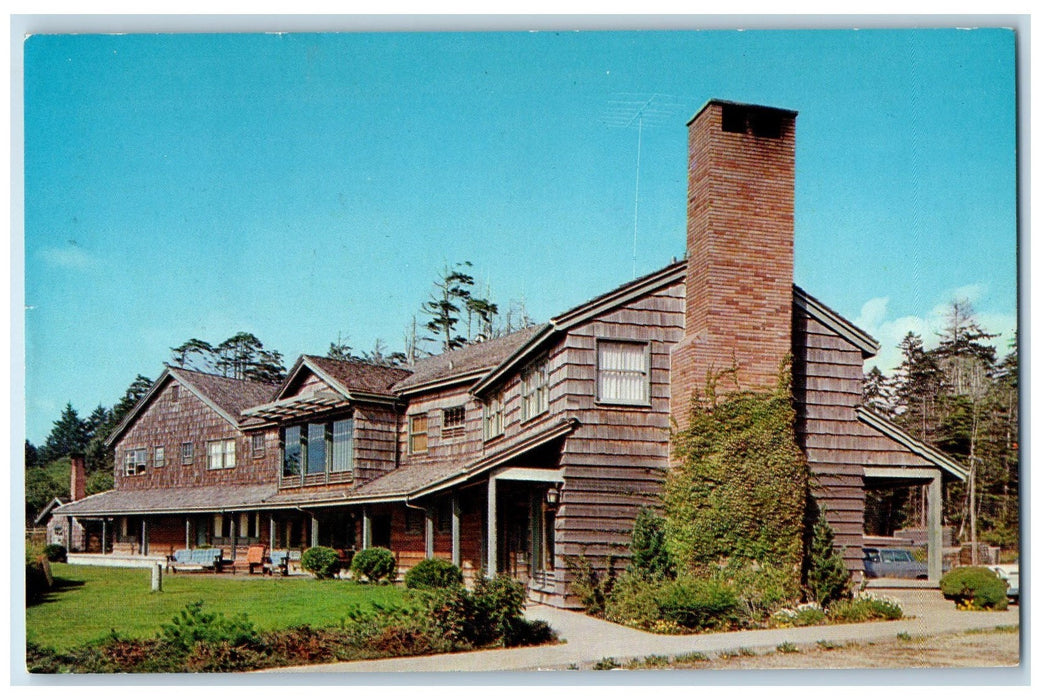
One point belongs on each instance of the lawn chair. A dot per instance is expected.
(255, 557)
(278, 560)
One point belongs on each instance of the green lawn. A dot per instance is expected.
(91, 601)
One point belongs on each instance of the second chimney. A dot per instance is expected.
(740, 249)
(78, 478)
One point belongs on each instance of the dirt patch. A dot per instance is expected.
(967, 649)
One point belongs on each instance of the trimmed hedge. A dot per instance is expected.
(975, 588)
(323, 562)
(434, 573)
(375, 564)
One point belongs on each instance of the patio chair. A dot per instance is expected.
(255, 557)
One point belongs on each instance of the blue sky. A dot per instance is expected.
(307, 186)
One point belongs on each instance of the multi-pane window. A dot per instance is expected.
(187, 452)
(535, 389)
(135, 462)
(417, 434)
(220, 454)
(318, 448)
(493, 416)
(160, 457)
(623, 372)
(257, 445)
(453, 421)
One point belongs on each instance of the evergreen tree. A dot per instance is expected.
(32, 457)
(451, 291)
(69, 435)
(650, 558)
(878, 392)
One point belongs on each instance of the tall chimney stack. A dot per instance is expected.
(78, 478)
(740, 249)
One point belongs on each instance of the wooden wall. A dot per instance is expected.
(168, 423)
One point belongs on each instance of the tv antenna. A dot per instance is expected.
(626, 110)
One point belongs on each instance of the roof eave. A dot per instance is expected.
(867, 345)
(923, 450)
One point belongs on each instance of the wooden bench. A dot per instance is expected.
(195, 560)
(279, 559)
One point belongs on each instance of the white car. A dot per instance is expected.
(1009, 573)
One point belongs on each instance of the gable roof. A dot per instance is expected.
(466, 363)
(923, 450)
(46, 511)
(355, 376)
(869, 347)
(227, 397)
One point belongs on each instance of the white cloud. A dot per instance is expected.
(70, 257)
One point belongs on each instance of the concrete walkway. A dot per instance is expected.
(588, 640)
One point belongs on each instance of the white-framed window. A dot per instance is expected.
(453, 422)
(220, 454)
(417, 434)
(159, 458)
(535, 389)
(257, 444)
(623, 372)
(187, 452)
(343, 446)
(135, 462)
(493, 416)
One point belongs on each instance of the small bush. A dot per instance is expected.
(193, 626)
(55, 552)
(323, 562)
(805, 615)
(827, 578)
(649, 559)
(788, 648)
(375, 564)
(689, 603)
(865, 608)
(975, 588)
(588, 584)
(434, 573)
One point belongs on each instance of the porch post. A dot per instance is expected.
(271, 531)
(935, 520)
(457, 558)
(187, 533)
(233, 530)
(314, 531)
(104, 535)
(493, 544)
(144, 536)
(366, 528)
(428, 531)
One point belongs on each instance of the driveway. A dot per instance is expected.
(587, 640)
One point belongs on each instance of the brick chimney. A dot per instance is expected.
(740, 240)
(78, 478)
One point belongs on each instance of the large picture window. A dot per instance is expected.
(318, 448)
(623, 372)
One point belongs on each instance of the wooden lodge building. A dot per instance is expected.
(508, 455)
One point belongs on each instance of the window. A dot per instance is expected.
(417, 434)
(135, 462)
(175, 393)
(535, 389)
(623, 375)
(257, 445)
(343, 445)
(160, 457)
(187, 452)
(453, 422)
(316, 452)
(318, 448)
(220, 454)
(493, 417)
(292, 451)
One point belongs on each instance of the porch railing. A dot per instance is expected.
(319, 479)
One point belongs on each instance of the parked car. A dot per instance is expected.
(889, 562)
(1009, 573)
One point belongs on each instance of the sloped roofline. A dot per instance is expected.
(923, 450)
(826, 316)
(305, 362)
(580, 314)
(168, 372)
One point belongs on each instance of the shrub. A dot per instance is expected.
(194, 626)
(864, 608)
(323, 562)
(434, 573)
(761, 587)
(804, 615)
(650, 558)
(55, 552)
(689, 603)
(975, 588)
(375, 564)
(827, 578)
(498, 608)
(586, 582)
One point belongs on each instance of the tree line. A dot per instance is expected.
(455, 315)
(963, 398)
